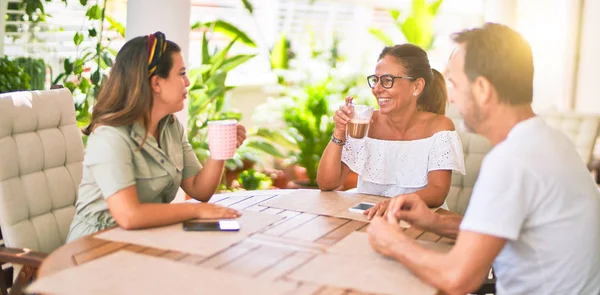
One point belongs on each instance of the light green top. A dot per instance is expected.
(114, 161)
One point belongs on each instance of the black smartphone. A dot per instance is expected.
(220, 225)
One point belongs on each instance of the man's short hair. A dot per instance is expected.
(501, 55)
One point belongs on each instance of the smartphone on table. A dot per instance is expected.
(361, 207)
(211, 225)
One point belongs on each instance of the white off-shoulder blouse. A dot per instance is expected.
(391, 167)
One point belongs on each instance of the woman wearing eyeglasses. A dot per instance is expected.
(411, 147)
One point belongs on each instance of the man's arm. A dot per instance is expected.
(446, 225)
(459, 271)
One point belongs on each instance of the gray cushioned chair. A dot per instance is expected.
(40, 170)
(582, 129)
(474, 148)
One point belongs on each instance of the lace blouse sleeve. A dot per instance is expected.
(446, 153)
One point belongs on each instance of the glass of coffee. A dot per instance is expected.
(358, 127)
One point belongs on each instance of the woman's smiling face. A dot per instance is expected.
(400, 95)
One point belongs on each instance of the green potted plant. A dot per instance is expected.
(300, 117)
(207, 92)
(35, 68)
(253, 180)
(84, 73)
(306, 116)
(208, 97)
(12, 77)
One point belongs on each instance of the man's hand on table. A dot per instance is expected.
(411, 209)
(385, 236)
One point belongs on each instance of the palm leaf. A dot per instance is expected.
(229, 30)
(265, 147)
(387, 40)
(234, 61)
(279, 54)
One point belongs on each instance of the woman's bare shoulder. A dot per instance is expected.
(437, 123)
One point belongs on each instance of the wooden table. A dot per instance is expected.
(298, 231)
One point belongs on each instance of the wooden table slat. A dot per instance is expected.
(154, 252)
(228, 255)
(217, 198)
(364, 228)
(242, 205)
(98, 252)
(286, 265)
(288, 224)
(134, 248)
(192, 259)
(307, 289)
(341, 232)
(174, 255)
(259, 208)
(288, 243)
(413, 232)
(275, 211)
(430, 237)
(332, 291)
(315, 228)
(258, 260)
(228, 202)
(446, 241)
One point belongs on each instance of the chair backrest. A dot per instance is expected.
(474, 148)
(582, 129)
(40, 168)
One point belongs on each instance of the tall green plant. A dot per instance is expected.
(254, 180)
(208, 89)
(307, 118)
(311, 126)
(12, 77)
(207, 93)
(416, 25)
(85, 73)
(35, 68)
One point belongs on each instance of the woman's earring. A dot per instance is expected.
(415, 93)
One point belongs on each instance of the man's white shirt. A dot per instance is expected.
(535, 191)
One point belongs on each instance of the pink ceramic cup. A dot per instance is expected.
(222, 139)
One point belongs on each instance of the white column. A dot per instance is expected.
(542, 23)
(587, 93)
(170, 17)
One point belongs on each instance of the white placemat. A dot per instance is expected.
(174, 238)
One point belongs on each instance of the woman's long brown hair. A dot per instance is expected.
(126, 96)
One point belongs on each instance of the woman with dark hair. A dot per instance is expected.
(411, 147)
(137, 154)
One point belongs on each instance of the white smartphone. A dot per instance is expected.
(361, 207)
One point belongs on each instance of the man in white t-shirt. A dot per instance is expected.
(534, 211)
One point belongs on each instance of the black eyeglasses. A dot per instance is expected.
(387, 81)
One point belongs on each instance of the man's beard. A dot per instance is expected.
(472, 116)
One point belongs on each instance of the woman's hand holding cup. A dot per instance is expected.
(241, 134)
(341, 118)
